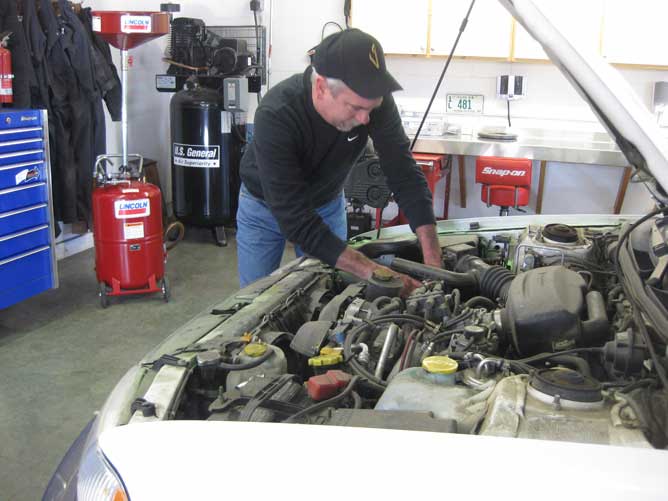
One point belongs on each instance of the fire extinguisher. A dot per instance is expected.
(6, 76)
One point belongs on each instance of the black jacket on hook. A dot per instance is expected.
(36, 46)
(77, 50)
(65, 68)
(106, 77)
(63, 87)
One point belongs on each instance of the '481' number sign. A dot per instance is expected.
(464, 103)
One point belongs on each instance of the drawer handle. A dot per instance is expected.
(23, 233)
(34, 163)
(18, 131)
(21, 188)
(20, 153)
(21, 211)
(20, 141)
(25, 254)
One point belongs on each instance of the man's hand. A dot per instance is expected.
(358, 264)
(431, 250)
(410, 284)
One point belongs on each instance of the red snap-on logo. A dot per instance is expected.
(503, 172)
(132, 208)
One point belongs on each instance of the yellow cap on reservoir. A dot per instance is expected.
(440, 365)
(329, 355)
(255, 349)
(331, 350)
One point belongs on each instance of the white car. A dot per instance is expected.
(533, 366)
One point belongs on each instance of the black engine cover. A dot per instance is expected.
(544, 310)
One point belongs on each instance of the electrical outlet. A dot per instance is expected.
(511, 87)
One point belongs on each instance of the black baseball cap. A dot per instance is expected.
(357, 59)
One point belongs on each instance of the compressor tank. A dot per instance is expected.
(127, 225)
(205, 159)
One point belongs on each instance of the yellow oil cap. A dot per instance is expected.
(255, 349)
(328, 356)
(382, 274)
(331, 350)
(440, 365)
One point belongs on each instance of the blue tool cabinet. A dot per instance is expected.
(27, 238)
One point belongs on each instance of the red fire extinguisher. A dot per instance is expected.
(6, 76)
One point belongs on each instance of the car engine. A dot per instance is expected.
(528, 334)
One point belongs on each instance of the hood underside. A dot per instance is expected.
(610, 96)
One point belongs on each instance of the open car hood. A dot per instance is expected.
(216, 460)
(610, 96)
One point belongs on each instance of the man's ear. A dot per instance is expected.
(320, 86)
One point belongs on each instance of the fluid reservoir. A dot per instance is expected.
(383, 283)
(275, 365)
(431, 388)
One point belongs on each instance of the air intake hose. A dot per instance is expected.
(426, 272)
(494, 281)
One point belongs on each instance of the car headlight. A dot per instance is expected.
(98, 481)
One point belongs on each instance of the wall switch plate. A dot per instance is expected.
(511, 87)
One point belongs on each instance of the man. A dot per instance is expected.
(309, 131)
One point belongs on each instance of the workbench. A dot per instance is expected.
(544, 145)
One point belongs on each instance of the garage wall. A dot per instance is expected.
(296, 27)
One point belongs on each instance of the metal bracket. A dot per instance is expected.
(100, 169)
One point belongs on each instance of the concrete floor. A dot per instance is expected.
(61, 353)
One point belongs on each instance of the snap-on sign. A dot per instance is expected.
(503, 172)
(126, 209)
(135, 24)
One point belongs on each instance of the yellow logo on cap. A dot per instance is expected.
(373, 57)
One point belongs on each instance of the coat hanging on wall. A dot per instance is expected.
(62, 66)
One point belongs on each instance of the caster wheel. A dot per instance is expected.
(166, 293)
(102, 292)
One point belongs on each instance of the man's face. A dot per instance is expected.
(343, 109)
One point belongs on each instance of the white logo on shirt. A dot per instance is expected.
(353, 138)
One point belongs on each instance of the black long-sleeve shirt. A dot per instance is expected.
(297, 162)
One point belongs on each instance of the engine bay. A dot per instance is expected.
(528, 333)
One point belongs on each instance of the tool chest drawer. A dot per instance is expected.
(21, 145)
(25, 275)
(27, 242)
(18, 134)
(23, 196)
(23, 241)
(21, 219)
(22, 173)
(29, 155)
